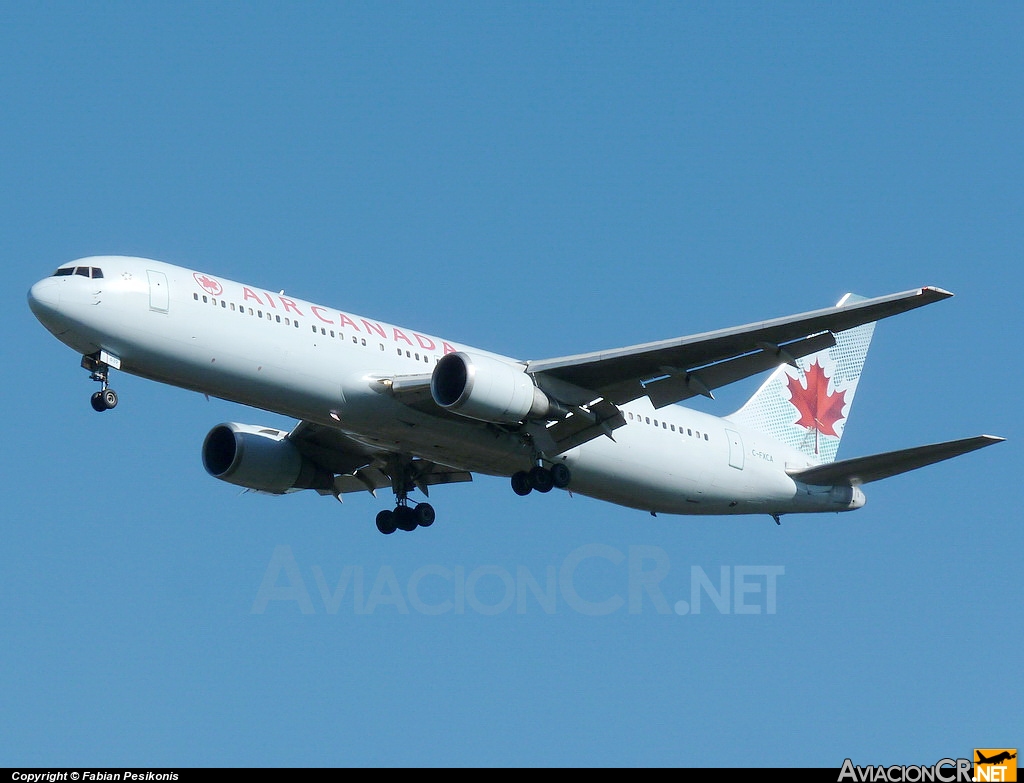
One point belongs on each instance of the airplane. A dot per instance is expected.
(386, 407)
(999, 758)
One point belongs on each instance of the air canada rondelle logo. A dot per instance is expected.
(208, 284)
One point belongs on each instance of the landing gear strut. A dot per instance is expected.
(541, 479)
(99, 371)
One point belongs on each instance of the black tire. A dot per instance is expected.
(521, 483)
(405, 519)
(386, 522)
(425, 515)
(97, 402)
(560, 475)
(109, 398)
(540, 479)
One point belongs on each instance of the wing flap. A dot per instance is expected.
(862, 470)
(601, 418)
(682, 385)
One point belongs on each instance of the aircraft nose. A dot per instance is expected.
(44, 297)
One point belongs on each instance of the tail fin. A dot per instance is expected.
(807, 406)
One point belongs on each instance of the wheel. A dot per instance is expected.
(560, 475)
(540, 479)
(386, 522)
(521, 483)
(97, 402)
(109, 398)
(405, 518)
(424, 515)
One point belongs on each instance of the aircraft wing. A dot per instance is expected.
(359, 468)
(862, 470)
(673, 370)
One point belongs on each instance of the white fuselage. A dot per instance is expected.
(319, 364)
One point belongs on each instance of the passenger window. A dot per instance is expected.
(705, 436)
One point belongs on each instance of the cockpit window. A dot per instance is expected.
(85, 271)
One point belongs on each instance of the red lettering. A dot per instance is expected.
(270, 300)
(316, 311)
(374, 327)
(290, 305)
(344, 319)
(400, 336)
(425, 342)
(247, 293)
(447, 348)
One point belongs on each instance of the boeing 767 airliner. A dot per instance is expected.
(383, 406)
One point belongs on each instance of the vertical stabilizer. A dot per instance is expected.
(806, 407)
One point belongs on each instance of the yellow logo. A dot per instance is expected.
(995, 764)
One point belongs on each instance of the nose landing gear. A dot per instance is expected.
(99, 371)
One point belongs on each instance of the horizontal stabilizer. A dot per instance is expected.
(862, 470)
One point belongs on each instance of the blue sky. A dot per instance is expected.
(534, 179)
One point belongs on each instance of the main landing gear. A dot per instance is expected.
(99, 371)
(541, 479)
(404, 517)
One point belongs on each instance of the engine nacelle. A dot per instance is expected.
(487, 389)
(260, 458)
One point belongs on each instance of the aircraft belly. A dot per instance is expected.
(379, 420)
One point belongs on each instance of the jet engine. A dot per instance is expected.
(487, 389)
(260, 458)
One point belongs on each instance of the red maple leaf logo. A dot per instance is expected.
(818, 409)
(209, 284)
